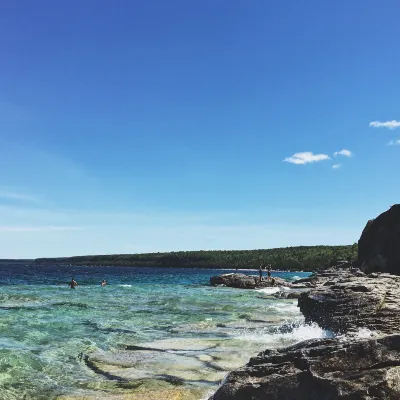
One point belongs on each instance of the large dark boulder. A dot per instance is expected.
(328, 369)
(379, 244)
(241, 281)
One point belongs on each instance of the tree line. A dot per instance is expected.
(307, 258)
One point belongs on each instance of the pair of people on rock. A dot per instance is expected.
(268, 272)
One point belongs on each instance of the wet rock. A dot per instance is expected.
(311, 279)
(234, 280)
(346, 367)
(243, 281)
(347, 302)
(327, 369)
(379, 244)
(286, 295)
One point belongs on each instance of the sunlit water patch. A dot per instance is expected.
(151, 333)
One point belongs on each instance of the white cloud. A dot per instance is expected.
(38, 228)
(344, 152)
(394, 142)
(336, 166)
(306, 158)
(387, 124)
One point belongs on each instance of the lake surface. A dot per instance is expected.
(150, 334)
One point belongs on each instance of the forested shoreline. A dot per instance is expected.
(308, 258)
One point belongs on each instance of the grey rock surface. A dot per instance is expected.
(347, 302)
(347, 367)
(243, 281)
(324, 369)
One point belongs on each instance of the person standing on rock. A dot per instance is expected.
(269, 273)
(260, 272)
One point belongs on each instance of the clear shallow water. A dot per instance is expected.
(61, 343)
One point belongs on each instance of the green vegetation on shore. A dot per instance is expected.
(15, 261)
(289, 258)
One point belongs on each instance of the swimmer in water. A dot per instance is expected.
(103, 282)
(73, 283)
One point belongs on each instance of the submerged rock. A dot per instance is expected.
(379, 244)
(326, 369)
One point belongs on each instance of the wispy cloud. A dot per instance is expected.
(18, 196)
(39, 228)
(336, 166)
(386, 124)
(344, 152)
(306, 158)
(395, 142)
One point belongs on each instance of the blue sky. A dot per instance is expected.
(138, 126)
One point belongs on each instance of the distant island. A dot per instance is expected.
(299, 258)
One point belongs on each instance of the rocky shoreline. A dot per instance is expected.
(361, 362)
(361, 309)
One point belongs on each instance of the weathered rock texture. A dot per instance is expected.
(346, 303)
(243, 281)
(320, 370)
(345, 367)
(379, 244)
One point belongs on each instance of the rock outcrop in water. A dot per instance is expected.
(324, 369)
(243, 281)
(345, 367)
(379, 244)
(346, 303)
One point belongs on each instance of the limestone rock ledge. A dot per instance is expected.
(346, 367)
(321, 369)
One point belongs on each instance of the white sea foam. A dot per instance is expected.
(270, 290)
(305, 332)
(125, 285)
(279, 339)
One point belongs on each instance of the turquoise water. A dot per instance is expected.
(151, 332)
